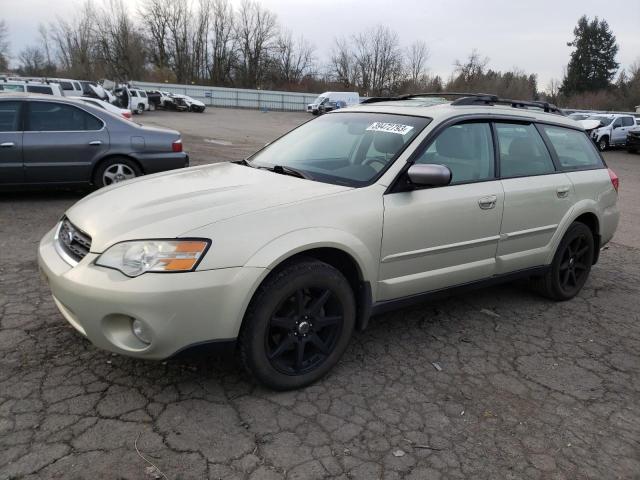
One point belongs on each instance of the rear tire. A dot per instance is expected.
(140, 109)
(115, 170)
(298, 325)
(571, 265)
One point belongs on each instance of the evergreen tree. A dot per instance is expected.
(593, 62)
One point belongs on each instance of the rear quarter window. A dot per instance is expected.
(573, 148)
(40, 89)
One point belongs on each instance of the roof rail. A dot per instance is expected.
(473, 99)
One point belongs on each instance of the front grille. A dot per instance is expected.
(73, 241)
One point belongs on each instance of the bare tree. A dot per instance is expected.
(223, 53)
(255, 31)
(473, 68)
(4, 45)
(200, 30)
(293, 59)
(75, 42)
(120, 48)
(155, 17)
(417, 56)
(343, 66)
(379, 60)
(32, 61)
(179, 39)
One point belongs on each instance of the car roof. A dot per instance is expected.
(440, 111)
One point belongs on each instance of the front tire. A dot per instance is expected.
(140, 109)
(298, 325)
(603, 144)
(571, 264)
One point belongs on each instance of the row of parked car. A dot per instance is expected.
(125, 98)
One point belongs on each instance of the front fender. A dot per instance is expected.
(297, 241)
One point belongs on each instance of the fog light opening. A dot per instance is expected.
(140, 331)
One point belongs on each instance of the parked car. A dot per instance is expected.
(633, 140)
(133, 99)
(32, 87)
(349, 98)
(57, 140)
(123, 112)
(327, 107)
(70, 87)
(356, 212)
(613, 132)
(185, 102)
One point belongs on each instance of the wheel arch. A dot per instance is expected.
(585, 212)
(591, 220)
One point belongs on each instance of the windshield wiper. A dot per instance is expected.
(282, 170)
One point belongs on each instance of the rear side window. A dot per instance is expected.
(39, 89)
(467, 149)
(627, 121)
(58, 117)
(573, 148)
(66, 85)
(10, 116)
(522, 151)
(134, 93)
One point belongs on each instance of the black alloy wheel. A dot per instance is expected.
(571, 264)
(304, 330)
(298, 324)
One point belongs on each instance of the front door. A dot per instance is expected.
(61, 143)
(11, 168)
(440, 237)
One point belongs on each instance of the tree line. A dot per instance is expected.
(211, 42)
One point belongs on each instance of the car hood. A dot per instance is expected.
(169, 204)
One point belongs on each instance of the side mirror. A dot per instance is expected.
(429, 175)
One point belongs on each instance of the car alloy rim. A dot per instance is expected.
(603, 144)
(303, 330)
(574, 264)
(118, 172)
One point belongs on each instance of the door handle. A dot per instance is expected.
(95, 143)
(563, 192)
(7, 144)
(487, 203)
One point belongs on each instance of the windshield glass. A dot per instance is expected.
(348, 148)
(319, 99)
(604, 120)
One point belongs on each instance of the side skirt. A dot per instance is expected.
(389, 305)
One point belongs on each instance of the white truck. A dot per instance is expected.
(613, 129)
(328, 101)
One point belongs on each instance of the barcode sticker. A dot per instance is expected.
(390, 128)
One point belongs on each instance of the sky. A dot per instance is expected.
(530, 35)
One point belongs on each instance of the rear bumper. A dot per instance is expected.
(160, 162)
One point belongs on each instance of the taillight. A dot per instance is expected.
(127, 115)
(615, 181)
(177, 146)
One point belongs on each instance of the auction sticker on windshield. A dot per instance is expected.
(390, 128)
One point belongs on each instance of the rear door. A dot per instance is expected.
(536, 197)
(11, 168)
(61, 143)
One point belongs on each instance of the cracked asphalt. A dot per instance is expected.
(495, 384)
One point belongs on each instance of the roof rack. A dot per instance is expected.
(473, 99)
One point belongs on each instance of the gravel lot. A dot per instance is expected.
(499, 383)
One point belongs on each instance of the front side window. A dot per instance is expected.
(58, 117)
(10, 117)
(343, 148)
(467, 149)
(617, 123)
(522, 151)
(573, 148)
(134, 93)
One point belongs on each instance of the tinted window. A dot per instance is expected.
(39, 89)
(522, 151)
(134, 93)
(627, 122)
(66, 85)
(48, 117)
(573, 148)
(617, 123)
(77, 86)
(143, 94)
(467, 150)
(9, 116)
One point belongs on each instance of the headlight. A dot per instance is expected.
(142, 256)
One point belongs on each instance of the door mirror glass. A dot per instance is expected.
(429, 175)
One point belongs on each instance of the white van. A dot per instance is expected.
(32, 87)
(333, 100)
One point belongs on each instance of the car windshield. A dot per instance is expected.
(349, 148)
(604, 120)
(319, 100)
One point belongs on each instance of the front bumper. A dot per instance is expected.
(178, 310)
